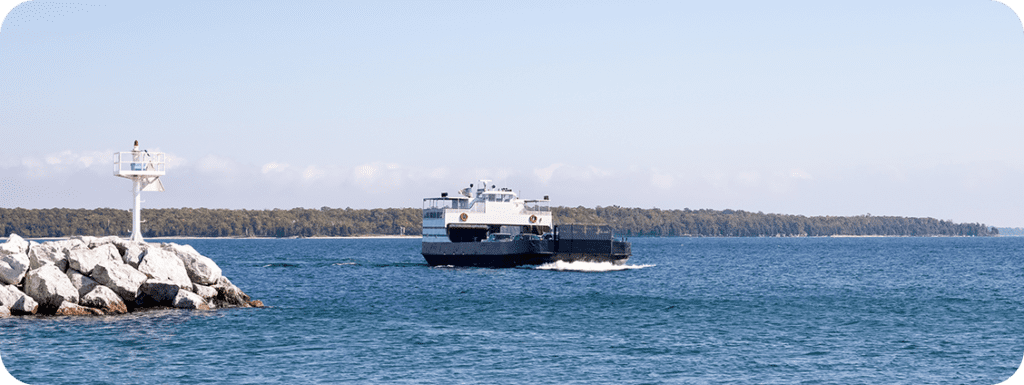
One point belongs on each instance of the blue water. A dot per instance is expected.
(732, 310)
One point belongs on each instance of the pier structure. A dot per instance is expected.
(144, 168)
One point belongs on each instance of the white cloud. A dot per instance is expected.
(65, 162)
(597, 172)
(312, 174)
(273, 167)
(377, 176)
(213, 163)
(545, 174)
(173, 161)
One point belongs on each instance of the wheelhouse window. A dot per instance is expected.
(435, 207)
(532, 205)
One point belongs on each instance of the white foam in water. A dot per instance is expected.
(590, 267)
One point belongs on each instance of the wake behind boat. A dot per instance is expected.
(490, 227)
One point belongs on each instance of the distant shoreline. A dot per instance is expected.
(352, 224)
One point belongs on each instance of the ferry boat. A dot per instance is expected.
(492, 227)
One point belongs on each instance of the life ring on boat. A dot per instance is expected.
(533, 219)
(463, 217)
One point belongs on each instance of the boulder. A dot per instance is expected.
(14, 245)
(201, 270)
(204, 291)
(85, 260)
(162, 292)
(4, 312)
(17, 301)
(132, 253)
(101, 297)
(84, 239)
(112, 240)
(50, 252)
(70, 309)
(13, 260)
(9, 295)
(189, 300)
(81, 282)
(163, 265)
(49, 286)
(25, 306)
(71, 244)
(229, 295)
(120, 278)
(110, 251)
(13, 267)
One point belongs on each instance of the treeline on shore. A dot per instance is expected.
(333, 222)
(738, 223)
(1011, 231)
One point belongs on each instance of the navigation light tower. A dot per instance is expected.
(144, 168)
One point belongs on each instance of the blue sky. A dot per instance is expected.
(908, 108)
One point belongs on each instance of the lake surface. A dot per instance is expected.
(692, 310)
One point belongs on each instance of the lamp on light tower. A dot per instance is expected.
(144, 168)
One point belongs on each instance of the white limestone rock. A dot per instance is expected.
(14, 245)
(51, 252)
(9, 295)
(81, 282)
(14, 261)
(72, 244)
(112, 240)
(72, 309)
(132, 253)
(160, 291)
(120, 278)
(189, 300)
(204, 291)
(17, 301)
(163, 265)
(85, 239)
(13, 268)
(4, 312)
(85, 260)
(201, 270)
(25, 306)
(101, 297)
(110, 251)
(228, 294)
(49, 286)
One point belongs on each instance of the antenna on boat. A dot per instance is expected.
(144, 168)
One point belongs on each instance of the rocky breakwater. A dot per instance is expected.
(100, 276)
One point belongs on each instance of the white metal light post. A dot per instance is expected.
(144, 168)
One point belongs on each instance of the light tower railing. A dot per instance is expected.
(139, 163)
